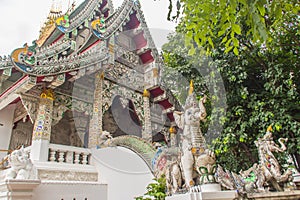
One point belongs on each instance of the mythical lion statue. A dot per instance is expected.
(21, 165)
(105, 139)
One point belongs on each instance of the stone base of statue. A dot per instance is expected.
(221, 195)
(206, 192)
(297, 180)
(13, 189)
(214, 187)
(275, 195)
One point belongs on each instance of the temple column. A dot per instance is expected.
(172, 131)
(147, 132)
(42, 127)
(96, 121)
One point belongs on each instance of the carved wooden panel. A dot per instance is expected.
(21, 134)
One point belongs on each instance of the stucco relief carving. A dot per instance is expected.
(59, 108)
(63, 103)
(125, 75)
(126, 56)
(107, 94)
(110, 91)
(67, 176)
(20, 112)
(135, 97)
(21, 135)
(31, 105)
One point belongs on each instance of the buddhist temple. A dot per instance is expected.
(86, 115)
(92, 78)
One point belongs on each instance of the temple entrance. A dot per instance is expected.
(121, 118)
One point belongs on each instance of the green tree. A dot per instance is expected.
(262, 89)
(206, 20)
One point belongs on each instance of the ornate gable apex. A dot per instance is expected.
(86, 26)
(74, 19)
(86, 41)
(71, 51)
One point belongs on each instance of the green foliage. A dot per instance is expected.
(262, 88)
(155, 190)
(206, 20)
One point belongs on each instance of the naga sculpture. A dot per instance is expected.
(269, 165)
(196, 162)
(267, 172)
(21, 165)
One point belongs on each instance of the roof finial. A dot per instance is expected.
(191, 88)
(55, 11)
(269, 129)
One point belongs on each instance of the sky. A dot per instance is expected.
(21, 20)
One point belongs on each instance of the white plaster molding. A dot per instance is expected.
(222, 195)
(52, 166)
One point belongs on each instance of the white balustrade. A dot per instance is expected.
(69, 154)
(76, 158)
(52, 156)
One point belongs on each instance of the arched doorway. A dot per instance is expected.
(121, 118)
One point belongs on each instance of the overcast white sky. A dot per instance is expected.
(21, 20)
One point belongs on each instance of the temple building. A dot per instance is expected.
(92, 78)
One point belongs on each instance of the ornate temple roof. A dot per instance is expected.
(5, 62)
(83, 40)
(52, 53)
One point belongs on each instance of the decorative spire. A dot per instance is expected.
(191, 98)
(268, 135)
(172, 130)
(102, 75)
(55, 11)
(146, 93)
(191, 87)
(71, 7)
(49, 25)
(269, 129)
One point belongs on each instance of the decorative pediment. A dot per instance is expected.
(20, 112)
(30, 104)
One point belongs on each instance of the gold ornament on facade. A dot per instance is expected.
(269, 129)
(102, 75)
(111, 48)
(49, 25)
(172, 130)
(191, 90)
(194, 150)
(155, 72)
(146, 93)
(47, 94)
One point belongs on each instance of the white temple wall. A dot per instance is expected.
(6, 118)
(70, 191)
(125, 173)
